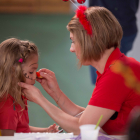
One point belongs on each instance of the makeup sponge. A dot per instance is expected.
(38, 75)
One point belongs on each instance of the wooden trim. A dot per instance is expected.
(34, 6)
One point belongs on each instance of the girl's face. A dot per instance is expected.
(29, 69)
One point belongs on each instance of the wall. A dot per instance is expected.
(34, 6)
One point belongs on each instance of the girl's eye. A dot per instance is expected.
(31, 72)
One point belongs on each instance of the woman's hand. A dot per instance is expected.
(31, 92)
(49, 83)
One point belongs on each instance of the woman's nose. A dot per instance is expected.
(72, 49)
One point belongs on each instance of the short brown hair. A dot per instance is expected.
(11, 50)
(106, 33)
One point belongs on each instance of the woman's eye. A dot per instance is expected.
(31, 72)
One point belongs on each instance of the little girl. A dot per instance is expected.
(18, 63)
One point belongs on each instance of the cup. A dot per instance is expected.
(88, 132)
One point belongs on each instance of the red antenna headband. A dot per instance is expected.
(82, 17)
(83, 20)
(79, 1)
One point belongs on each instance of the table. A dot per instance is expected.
(100, 137)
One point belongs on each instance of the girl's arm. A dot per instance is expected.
(7, 132)
(37, 129)
(52, 129)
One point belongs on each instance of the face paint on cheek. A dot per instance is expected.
(26, 76)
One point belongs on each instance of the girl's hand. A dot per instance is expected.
(31, 92)
(53, 128)
(49, 83)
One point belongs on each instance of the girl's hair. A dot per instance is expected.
(106, 33)
(11, 50)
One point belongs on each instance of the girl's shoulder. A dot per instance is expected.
(6, 103)
(7, 100)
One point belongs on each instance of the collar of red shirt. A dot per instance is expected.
(116, 54)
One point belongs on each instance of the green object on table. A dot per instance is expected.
(98, 122)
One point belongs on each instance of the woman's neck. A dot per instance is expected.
(100, 65)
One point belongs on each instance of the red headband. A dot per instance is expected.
(83, 20)
(82, 17)
(79, 1)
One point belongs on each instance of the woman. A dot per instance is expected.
(96, 35)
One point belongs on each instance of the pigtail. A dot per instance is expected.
(5, 73)
(18, 77)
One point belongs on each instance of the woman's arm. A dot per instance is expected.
(50, 85)
(69, 123)
(66, 121)
(92, 114)
(68, 106)
(7, 132)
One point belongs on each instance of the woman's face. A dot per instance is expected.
(75, 47)
(29, 69)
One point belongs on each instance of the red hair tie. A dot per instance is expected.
(83, 20)
(20, 60)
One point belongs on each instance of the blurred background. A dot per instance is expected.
(44, 23)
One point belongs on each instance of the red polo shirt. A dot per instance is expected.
(111, 92)
(13, 117)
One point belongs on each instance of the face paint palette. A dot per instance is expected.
(38, 75)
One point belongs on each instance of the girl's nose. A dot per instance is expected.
(34, 76)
